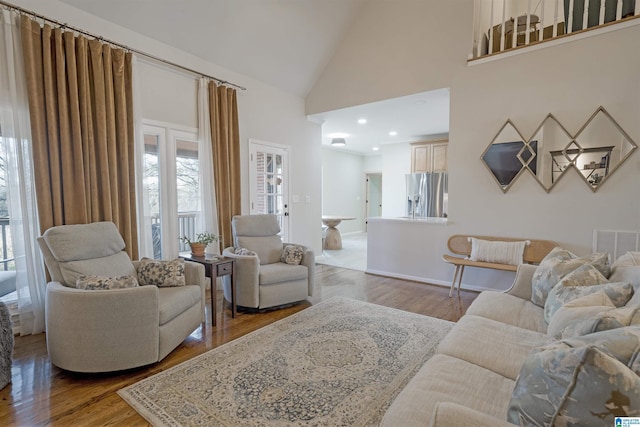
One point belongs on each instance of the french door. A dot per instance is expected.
(269, 182)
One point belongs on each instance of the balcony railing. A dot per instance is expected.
(186, 227)
(496, 30)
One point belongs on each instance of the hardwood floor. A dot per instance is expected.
(42, 394)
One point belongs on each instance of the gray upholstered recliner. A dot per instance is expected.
(264, 281)
(115, 329)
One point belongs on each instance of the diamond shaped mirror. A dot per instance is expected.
(506, 156)
(550, 159)
(604, 146)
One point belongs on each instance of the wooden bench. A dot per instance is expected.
(459, 244)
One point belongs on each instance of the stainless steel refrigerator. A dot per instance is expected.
(427, 194)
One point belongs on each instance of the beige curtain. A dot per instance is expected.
(81, 108)
(223, 111)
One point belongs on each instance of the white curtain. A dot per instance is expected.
(209, 220)
(18, 162)
(145, 238)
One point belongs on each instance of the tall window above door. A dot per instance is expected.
(171, 196)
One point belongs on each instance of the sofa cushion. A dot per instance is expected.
(565, 323)
(162, 274)
(556, 384)
(105, 282)
(280, 272)
(448, 379)
(268, 248)
(509, 309)
(476, 340)
(117, 264)
(557, 264)
(619, 293)
(497, 251)
(173, 301)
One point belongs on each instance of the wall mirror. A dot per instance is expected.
(602, 147)
(507, 155)
(551, 160)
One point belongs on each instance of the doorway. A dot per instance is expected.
(269, 182)
(373, 196)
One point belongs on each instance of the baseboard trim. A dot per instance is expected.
(426, 280)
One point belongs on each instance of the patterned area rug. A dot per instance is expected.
(337, 363)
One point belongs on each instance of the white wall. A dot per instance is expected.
(569, 80)
(265, 113)
(373, 163)
(396, 163)
(343, 188)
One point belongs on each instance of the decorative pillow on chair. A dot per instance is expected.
(292, 254)
(103, 282)
(162, 274)
(557, 264)
(557, 382)
(245, 252)
(500, 252)
(565, 323)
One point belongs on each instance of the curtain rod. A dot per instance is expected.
(139, 52)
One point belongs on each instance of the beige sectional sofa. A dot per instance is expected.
(471, 379)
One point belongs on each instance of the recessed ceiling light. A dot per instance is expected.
(362, 121)
(375, 148)
(393, 133)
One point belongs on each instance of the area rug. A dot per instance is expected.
(338, 363)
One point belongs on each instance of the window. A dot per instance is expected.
(171, 193)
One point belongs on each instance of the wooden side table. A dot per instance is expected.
(214, 267)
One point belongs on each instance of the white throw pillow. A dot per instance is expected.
(496, 251)
(570, 314)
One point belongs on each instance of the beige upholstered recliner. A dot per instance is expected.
(264, 281)
(114, 329)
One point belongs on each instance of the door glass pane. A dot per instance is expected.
(151, 190)
(188, 189)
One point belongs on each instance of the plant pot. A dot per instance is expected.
(197, 249)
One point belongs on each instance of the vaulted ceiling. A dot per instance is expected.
(285, 43)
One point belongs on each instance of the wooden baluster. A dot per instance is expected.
(514, 36)
(619, 10)
(491, 36)
(554, 33)
(601, 20)
(527, 24)
(477, 36)
(637, 11)
(585, 15)
(541, 22)
(569, 28)
(503, 36)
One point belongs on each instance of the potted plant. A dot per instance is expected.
(200, 242)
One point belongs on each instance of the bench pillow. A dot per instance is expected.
(497, 251)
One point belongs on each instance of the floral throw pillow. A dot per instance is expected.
(245, 252)
(556, 383)
(557, 264)
(619, 293)
(162, 274)
(292, 254)
(91, 282)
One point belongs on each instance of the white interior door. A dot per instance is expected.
(269, 182)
